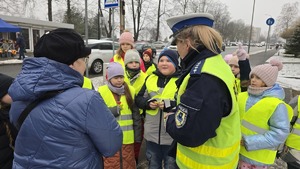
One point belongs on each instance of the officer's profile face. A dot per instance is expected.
(182, 47)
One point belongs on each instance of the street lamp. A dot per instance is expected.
(251, 27)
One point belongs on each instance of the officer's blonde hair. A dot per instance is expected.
(202, 35)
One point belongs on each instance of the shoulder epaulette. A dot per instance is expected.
(196, 69)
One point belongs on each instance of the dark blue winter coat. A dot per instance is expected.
(73, 129)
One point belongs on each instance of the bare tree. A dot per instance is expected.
(183, 4)
(287, 17)
(137, 17)
(158, 21)
(50, 10)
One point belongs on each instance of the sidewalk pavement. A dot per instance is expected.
(14, 59)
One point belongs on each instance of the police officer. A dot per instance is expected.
(206, 123)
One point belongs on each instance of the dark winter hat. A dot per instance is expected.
(62, 45)
(148, 52)
(5, 82)
(171, 55)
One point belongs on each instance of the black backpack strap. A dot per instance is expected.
(33, 104)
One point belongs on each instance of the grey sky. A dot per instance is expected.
(242, 9)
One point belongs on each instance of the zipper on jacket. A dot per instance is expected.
(159, 132)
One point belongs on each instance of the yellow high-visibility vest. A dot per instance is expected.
(221, 151)
(125, 119)
(150, 69)
(251, 124)
(138, 83)
(158, 93)
(87, 83)
(120, 60)
(293, 139)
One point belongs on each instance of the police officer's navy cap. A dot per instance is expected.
(178, 23)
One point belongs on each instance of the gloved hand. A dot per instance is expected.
(241, 53)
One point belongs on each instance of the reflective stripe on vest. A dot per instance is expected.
(125, 119)
(216, 152)
(87, 83)
(251, 126)
(160, 93)
(293, 139)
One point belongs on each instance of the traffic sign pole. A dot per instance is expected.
(270, 22)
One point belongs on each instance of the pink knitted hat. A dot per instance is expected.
(227, 58)
(234, 60)
(267, 72)
(126, 37)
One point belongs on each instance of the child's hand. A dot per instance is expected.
(241, 53)
(161, 105)
(153, 104)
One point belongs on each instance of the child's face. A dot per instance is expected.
(117, 81)
(235, 69)
(125, 47)
(146, 58)
(165, 66)
(133, 65)
(256, 81)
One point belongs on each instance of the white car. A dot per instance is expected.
(102, 52)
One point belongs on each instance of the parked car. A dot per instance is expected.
(159, 44)
(102, 52)
(142, 46)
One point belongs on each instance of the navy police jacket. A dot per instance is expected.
(201, 124)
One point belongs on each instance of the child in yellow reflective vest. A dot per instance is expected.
(119, 98)
(148, 61)
(157, 97)
(240, 67)
(265, 119)
(292, 149)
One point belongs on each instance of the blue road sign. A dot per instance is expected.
(270, 21)
(111, 3)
